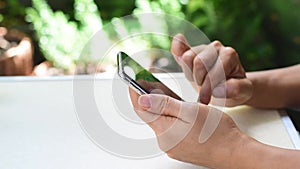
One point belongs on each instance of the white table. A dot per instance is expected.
(39, 127)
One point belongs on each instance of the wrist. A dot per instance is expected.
(235, 154)
(251, 154)
(243, 152)
(263, 89)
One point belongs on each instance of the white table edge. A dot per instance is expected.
(288, 124)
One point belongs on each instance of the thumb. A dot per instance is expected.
(237, 90)
(160, 104)
(156, 109)
(164, 105)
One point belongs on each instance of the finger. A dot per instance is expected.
(187, 59)
(178, 48)
(231, 63)
(147, 117)
(214, 77)
(179, 45)
(167, 106)
(184, 54)
(204, 61)
(160, 104)
(189, 56)
(236, 91)
(225, 65)
(238, 88)
(158, 111)
(205, 92)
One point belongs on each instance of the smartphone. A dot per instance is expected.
(143, 82)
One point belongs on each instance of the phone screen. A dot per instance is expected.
(142, 81)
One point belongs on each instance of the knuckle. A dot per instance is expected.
(187, 56)
(168, 103)
(217, 43)
(198, 64)
(230, 51)
(199, 71)
(198, 49)
(236, 89)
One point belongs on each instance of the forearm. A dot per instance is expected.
(276, 88)
(255, 155)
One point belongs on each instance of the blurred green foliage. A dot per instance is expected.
(12, 14)
(60, 39)
(266, 34)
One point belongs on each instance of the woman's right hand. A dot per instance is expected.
(214, 69)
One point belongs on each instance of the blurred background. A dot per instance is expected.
(43, 37)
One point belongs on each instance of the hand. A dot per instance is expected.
(214, 69)
(184, 134)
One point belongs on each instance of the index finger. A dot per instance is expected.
(179, 45)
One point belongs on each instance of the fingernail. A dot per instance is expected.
(144, 101)
(219, 92)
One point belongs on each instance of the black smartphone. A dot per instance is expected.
(143, 82)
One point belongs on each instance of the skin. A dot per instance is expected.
(214, 153)
(227, 147)
(276, 88)
(203, 64)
